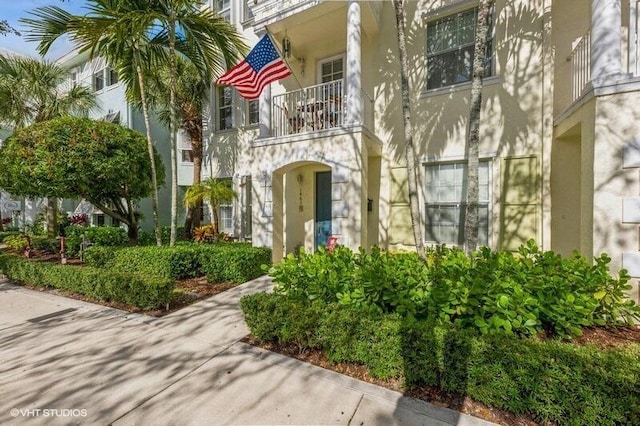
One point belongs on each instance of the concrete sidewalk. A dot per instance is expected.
(64, 361)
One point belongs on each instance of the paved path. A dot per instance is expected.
(64, 361)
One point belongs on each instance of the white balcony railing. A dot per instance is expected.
(308, 110)
(580, 59)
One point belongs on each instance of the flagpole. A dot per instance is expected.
(286, 60)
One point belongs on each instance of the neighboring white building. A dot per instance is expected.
(112, 106)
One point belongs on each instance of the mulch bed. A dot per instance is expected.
(602, 337)
(186, 291)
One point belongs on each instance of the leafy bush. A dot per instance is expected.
(319, 276)
(98, 256)
(556, 382)
(6, 233)
(17, 242)
(236, 262)
(145, 292)
(98, 236)
(174, 263)
(494, 292)
(51, 245)
(80, 219)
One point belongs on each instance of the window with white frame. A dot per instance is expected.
(445, 202)
(253, 112)
(331, 69)
(98, 80)
(450, 49)
(226, 219)
(225, 107)
(223, 7)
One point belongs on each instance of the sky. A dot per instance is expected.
(13, 10)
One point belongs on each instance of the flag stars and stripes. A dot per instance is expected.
(262, 66)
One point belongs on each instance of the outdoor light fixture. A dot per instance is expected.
(286, 46)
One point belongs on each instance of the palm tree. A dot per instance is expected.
(207, 40)
(191, 90)
(32, 91)
(215, 192)
(471, 224)
(410, 151)
(128, 33)
(118, 31)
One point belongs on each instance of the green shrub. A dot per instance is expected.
(51, 245)
(16, 242)
(236, 262)
(287, 322)
(174, 263)
(145, 292)
(5, 234)
(494, 292)
(318, 276)
(556, 382)
(98, 236)
(99, 256)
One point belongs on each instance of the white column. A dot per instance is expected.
(265, 112)
(353, 80)
(606, 38)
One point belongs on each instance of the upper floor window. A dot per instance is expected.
(331, 70)
(253, 112)
(223, 7)
(225, 108)
(450, 49)
(112, 76)
(98, 80)
(445, 202)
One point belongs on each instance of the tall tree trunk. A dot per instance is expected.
(52, 217)
(193, 218)
(132, 227)
(410, 152)
(173, 128)
(152, 158)
(471, 223)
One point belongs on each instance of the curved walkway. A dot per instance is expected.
(64, 361)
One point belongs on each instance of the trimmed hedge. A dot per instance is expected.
(554, 381)
(235, 262)
(174, 263)
(145, 292)
(98, 235)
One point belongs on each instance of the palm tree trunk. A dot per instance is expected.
(172, 129)
(193, 218)
(152, 158)
(52, 216)
(471, 223)
(410, 152)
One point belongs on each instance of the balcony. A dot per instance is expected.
(280, 14)
(318, 108)
(580, 60)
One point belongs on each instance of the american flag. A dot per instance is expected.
(262, 66)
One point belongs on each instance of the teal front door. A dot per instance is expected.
(323, 208)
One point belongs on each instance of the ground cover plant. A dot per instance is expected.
(492, 326)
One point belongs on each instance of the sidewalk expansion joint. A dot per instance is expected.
(356, 410)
